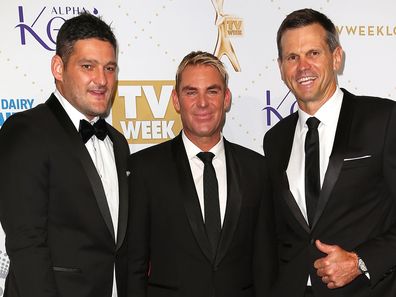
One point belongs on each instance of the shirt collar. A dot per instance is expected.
(74, 114)
(192, 150)
(327, 114)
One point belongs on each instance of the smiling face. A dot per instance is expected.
(308, 67)
(88, 79)
(202, 100)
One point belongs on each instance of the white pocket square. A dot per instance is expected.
(357, 158)
(128, 173)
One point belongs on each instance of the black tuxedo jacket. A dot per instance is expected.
(59, 233)
(169, 252)
(356, 208)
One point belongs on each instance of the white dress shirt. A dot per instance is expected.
(328, 115)
(102, 155)
(197, 167)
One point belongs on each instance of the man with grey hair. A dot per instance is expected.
(333, 171)
(200, 221)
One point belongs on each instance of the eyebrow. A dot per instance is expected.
(94, 61)
(192, 88)
(188, 88)
(215, 86)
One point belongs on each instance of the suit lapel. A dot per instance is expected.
(77, 147)
(190, 197)
(292, 203)
(337, 155)
(234, 200)
(285, 151)
(121, 164)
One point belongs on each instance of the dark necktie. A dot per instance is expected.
(312, 175)
(211, 201)
(87, 130)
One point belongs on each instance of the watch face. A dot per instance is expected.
(362, 266)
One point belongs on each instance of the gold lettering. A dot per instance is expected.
(370, 30)
(351, 29)
(238, 25)
(367, 30)
(362, 30)
(229, 24)
(389, 31)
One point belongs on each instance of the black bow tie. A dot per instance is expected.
(87, 130)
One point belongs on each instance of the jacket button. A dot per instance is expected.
(312, 241)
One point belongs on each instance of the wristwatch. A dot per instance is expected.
(362, 266)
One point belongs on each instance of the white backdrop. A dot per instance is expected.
(155, 35)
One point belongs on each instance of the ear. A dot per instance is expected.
(227, 99)
(57, 67)
(337, 58)
(175, 101)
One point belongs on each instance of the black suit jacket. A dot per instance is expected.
(169, 252)
(59, 233)
(356, 208)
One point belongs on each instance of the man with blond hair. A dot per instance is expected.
(199, 225)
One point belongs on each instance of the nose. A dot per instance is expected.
(303, 64)
(100, 78)
(202, 100)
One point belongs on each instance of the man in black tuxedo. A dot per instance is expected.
(199, 230)
(64, 197)
(333, 172)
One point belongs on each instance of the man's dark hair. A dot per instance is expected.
(305, 17)
(81, 27)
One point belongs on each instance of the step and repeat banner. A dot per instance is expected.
(155, 35)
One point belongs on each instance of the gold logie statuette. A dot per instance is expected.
(227, 26)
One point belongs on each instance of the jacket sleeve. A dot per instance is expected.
(379, 253)
(138, 231)
(24, 183)
(265, 252)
